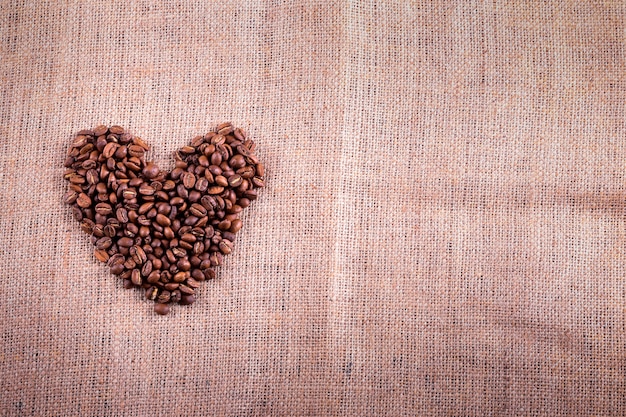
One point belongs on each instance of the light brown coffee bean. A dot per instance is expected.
(83, 200)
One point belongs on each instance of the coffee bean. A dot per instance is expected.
(187, 299)
(101, 255)
(152, 293)
(215, 190)
(83, 200)
(103, 209)
(104, 243)
(189, 180)
(136, 277)
(161, 308)
(258, 182)
(235, 180)
(235, 226)
(136, 151)
(125, 242)
(163, 220)
(151, 170)
(117, 269)
(184, 289)
(70, 197)
(138, 255)
(237, 161)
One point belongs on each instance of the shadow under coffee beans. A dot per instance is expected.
(162, 231)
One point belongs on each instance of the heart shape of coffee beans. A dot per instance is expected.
(162, 231)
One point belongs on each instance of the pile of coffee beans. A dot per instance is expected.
(164, 232)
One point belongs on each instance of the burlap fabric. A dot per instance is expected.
(442, 232)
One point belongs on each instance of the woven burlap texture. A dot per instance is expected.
(442, 232)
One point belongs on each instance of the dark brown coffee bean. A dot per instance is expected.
(192, 283)
(146, 190)
(237, 161)
(138, 254)
(154, 277)
(104, 243)
(129, 193)
(92, 177)
(145, 207)
(226, 247)
(135, 277)
(136, 151)
(184, 265)
(146, 269)
(260, 169)
(188, 237)
(258, 182)
(175, 296)
(161, 308)
(235, 226)
(117, 269)
(70, 197)
(152, 293)
(164, 297)
(100, 130)
(151, 170)
(186, 290)
(187, 299)
(109, 150)
(209, 274)
(197, 275)
(189, 180)
(202, 184)
(116, 130)
(235, 180)
(103, 209)
(125, 242)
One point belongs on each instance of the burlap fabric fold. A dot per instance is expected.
(442, 231)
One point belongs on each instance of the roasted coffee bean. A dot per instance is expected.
(101, 255)
(215, 190)
(184, 289)
(70, 197)
(151, 170)
(152, 293)
(163, 220)
(104, 243)
(83, 200)
(189, 180)
(125, 242)
(138, 254)
(179, 277)
(164, 297)
(117, 269)
(226, 247)
(136, 277)
(175, 296)
(103, 209)
(187, 299)
(154, 277)
(161, 308)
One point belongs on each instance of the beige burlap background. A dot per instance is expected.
(442, 232)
